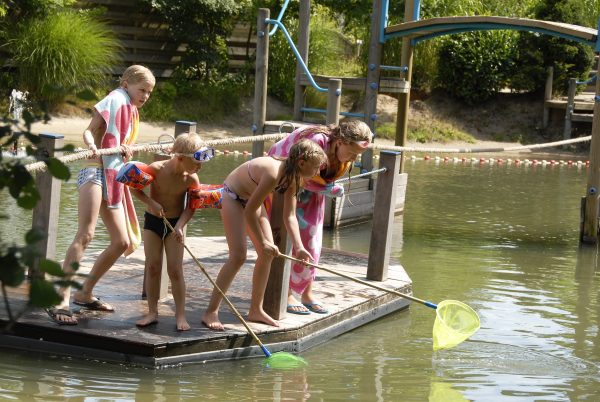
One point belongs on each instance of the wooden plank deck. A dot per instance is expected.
(114, 336)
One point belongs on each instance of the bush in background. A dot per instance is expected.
(61, 54)
(476, 65)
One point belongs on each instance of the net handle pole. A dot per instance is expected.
(424, 302)
(231, 306)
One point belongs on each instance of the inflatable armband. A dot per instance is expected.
(205, 196)
(135, 174)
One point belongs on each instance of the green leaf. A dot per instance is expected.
(12, 273)
(51, 267)
(29, 196)
(58, 169)
(43, 294)
(34, 235)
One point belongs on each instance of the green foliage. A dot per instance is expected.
(62, 54)
(330, 53)
(16, 260)
(474, 66)
(535, 53)
(203, 25)
(434, 132)
(196, 100)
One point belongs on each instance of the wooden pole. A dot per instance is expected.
(276, 294)
(260, 80)
(404, 97)
(46, 212)
(570, 108)
(373, 74)
(590, 224)
(334, 96)
(547, 97)
(383, 216)
(185, 127)
(302, 46)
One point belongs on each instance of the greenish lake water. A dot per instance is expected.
(501, 238)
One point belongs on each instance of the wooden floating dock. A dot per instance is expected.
(114, 336)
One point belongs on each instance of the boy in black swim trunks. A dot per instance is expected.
(172, 180)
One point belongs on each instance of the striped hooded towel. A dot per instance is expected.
(310, 205)
(122, 121)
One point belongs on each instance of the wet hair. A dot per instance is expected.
(136, 73)
(187, 144)
(350, 131)
(305, 150)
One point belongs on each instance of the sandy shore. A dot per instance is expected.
(72, 128)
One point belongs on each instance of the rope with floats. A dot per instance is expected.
(481, 150)
(158, 146)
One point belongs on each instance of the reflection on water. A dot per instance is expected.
(503, 239)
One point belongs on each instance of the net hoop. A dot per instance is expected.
(455, 322)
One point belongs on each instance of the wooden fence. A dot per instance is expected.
(145, 38)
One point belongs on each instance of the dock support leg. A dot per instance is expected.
(590, 223)
(383, 216)
(45, 213)
(276, 294)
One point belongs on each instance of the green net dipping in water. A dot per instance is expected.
(454, 323)
(284, 360)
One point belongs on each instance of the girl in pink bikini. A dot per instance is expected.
(245, 190)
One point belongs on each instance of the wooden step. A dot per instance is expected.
(582, 117)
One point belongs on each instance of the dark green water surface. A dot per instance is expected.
(501, 238)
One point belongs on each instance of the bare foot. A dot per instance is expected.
(149, 319)
(211, 320)
(261, 316)
(182, 324)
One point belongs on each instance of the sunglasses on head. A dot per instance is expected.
(202, 155)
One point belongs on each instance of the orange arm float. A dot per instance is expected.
(135, 174)
(205, 196)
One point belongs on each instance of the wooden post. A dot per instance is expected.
(181, 127)
(372, 83)
(276, 294)
(260, 80)
(383, 216)
(302, 46)
(185, 127)
(404, 97)
(46, 212)
(547, 97)
(590, 224)
(334, 96)
(570, 108)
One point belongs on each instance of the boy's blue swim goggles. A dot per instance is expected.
(202, 155)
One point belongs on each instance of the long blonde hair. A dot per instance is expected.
(305, 150)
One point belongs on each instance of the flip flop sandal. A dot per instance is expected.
(316, 307)
(95, 305)
(291, 309)
(54, 312)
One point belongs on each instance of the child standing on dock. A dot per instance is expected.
(246, 189)
(114, 124)
(342, 143)
(172, 180)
